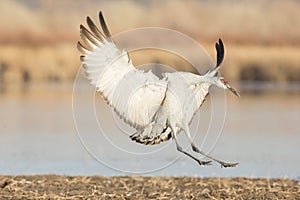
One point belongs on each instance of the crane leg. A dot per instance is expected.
(180, 149)
(196, 149)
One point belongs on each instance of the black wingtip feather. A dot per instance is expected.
(92, 38)
(82, 48)
(220, 52)
(104, 26)
(94, 29)
(82, 58)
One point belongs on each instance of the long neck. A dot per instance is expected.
(196, 79)
(214, 72)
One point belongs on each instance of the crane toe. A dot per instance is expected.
(223, 164)
(206, 163)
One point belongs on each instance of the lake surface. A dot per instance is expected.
(49, 129)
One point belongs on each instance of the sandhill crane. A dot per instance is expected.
(157, 108)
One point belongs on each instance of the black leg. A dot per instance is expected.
(201, 162)
(223, 164)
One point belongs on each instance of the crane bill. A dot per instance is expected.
(232, 90)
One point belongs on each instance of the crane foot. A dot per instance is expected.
(206, 163)
(223, 164)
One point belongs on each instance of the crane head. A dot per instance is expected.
(218, 80)
(223, 83)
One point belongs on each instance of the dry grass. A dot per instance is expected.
(39, 63)
(61, 62)
(98, 187)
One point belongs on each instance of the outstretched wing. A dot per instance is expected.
(134, 94)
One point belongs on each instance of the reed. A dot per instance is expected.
(262, 38)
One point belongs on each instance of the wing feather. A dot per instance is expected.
(132, 93)
(82, 48)
(104, 27)
(94, 29)
(87, 42)
(90, 36)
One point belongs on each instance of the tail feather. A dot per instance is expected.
(220, 57)
(152, 139)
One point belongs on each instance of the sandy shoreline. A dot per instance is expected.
(137, 187)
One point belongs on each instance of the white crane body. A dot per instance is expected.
(157, 108)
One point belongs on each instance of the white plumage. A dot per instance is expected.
(157, 108)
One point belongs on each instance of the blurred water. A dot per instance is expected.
(38, 136)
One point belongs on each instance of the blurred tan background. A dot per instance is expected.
(38, 37)
(39, 61)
